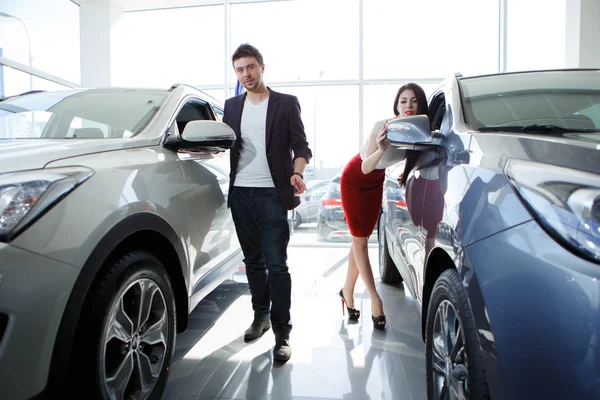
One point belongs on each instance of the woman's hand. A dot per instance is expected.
(381, 138)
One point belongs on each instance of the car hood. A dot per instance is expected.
(24, 154)
(563, 150)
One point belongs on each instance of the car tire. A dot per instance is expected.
(462, 371)
(297, 221)
(387, 268)
(122, 338)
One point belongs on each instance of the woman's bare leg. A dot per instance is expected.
(361, 257)
(351, 277)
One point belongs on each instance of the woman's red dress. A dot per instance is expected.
(361, 197)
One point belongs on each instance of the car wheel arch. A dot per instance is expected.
(437, 262)
(141, 231)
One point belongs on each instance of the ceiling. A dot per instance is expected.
(134, 5)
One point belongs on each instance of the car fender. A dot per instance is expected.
(115, 236)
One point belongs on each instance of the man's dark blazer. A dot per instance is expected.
(284, 136)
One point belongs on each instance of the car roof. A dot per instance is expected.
(540, 71)
(181, 86)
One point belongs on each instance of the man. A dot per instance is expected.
(264, 177)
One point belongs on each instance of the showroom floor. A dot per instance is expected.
(331, 359)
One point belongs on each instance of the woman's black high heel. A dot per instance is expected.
(379, 322)
(353, 313)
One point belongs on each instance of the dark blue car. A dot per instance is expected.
(496, 234)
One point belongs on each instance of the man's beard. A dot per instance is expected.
(251, 86)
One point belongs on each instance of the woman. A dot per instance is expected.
(361, 194)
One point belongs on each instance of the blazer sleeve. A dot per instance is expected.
(298, 142)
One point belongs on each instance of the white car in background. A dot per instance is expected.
(113, 226)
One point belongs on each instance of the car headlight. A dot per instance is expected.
(25, 196)
(566, 202)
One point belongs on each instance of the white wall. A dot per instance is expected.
(97, 19)
(582, 49)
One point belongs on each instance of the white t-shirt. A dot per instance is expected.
(390, 157)
(253, 169)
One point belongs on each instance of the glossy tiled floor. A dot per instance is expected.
(331, 359)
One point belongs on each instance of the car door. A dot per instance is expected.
(401, 229)
(426, 192)
(211, 235)
(413, 211)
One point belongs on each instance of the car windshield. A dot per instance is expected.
(538, 102)
(334, 187)
(79, 114)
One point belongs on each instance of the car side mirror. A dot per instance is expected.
(209, 134)
(411, 132)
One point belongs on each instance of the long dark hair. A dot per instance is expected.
(412, 156)
(419, 93)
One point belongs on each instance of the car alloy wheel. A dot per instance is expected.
(297, 221)
(454, 366)
(450, 362)
(126, 333)
(135, 341)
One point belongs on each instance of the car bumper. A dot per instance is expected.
(537, 310)
(33, 294)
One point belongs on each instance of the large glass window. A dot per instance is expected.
(13, 82)
(330, 116)
(300, 40)
(217, 94)
(379, 102)
(429, 38)
(535, 42)
(162, 47)
(53, 27)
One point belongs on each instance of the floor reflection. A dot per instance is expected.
(206, 313)
(359, 371)
(332, 359)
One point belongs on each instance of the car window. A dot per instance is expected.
(81, 114)
(436, 111)
(84, 128)
(592, 112)
(565, 99)
(193, 110)
(24, 124)
(334, 187)
(219, 113)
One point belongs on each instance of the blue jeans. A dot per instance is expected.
(261, 223)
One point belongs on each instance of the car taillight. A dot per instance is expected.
(401, 204)
(331, 203)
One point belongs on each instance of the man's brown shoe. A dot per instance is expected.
(256, 330)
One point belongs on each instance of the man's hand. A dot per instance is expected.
(298, 184)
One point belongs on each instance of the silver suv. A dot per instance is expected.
(113, 226)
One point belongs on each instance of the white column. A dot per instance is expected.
(96, 17)
(582, 47)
